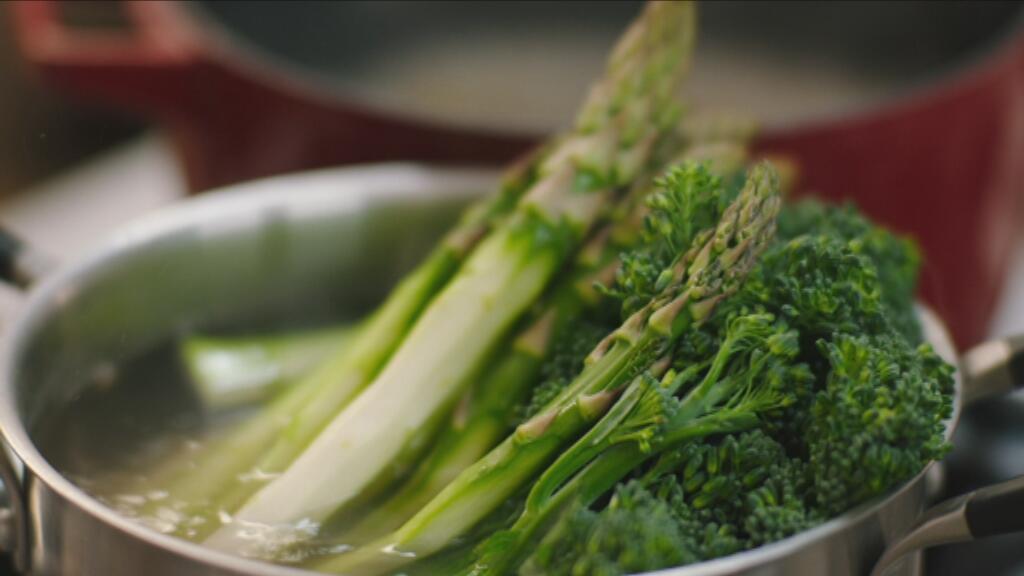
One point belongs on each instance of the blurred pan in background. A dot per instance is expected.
(916, 110)
(43, 132)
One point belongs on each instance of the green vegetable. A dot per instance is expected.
(708, 500)
(638, 531)
(228, 372)
(896, 259)
(878, 419)
(626, 114)
(747, 377)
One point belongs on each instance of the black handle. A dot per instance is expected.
(10, 249)
(996, 509)
(1016, 363)
(991, 511)
(994, 368)
(19, 264)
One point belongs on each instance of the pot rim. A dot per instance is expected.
(368, 183)
(234, 51)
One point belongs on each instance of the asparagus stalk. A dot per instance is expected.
(476, 426)
(709, 272)
(198, 487)
(482, 417)
(622, 119)
(229, 372)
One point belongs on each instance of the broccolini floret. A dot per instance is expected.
(691, 199)
(709, 499)
(896, 259)
(638, 531)
(819, 285)
(857, 410)
(879, 418)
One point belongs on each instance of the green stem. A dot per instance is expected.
(598, 477)
(422, 377)
(229, 372)
(223, 475)
(460, 446)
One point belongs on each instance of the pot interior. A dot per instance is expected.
(524, 66)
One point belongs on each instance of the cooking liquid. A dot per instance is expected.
(116, 438)
(114, 441)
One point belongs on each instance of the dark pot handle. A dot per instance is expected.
(21, 266)
(993, 368)
(989, 369)
(13, 519)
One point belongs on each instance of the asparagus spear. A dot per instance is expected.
(238, 371)
(479, 422)
(483, 415)
(622, 119)
(690, 290)
(201, 485)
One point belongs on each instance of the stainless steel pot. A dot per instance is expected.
(314, 244)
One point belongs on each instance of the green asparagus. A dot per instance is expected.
(198, 487)
(622, 120)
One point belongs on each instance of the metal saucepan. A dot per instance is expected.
(289, 250)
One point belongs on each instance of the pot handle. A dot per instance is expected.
(13, 519)
(993, 368)
(989, 369)
(20, 265)
(141, 67)
(990, 511)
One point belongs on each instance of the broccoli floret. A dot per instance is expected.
(820, 287)
(896, 259)
(637, 532)
(747, 483)
(703, 501)
(878, 420)
(689, 200)
(818, 284)
(852, 417)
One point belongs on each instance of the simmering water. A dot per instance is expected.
(130, 431)
(113, 439)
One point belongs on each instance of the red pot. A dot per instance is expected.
(944, 162)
